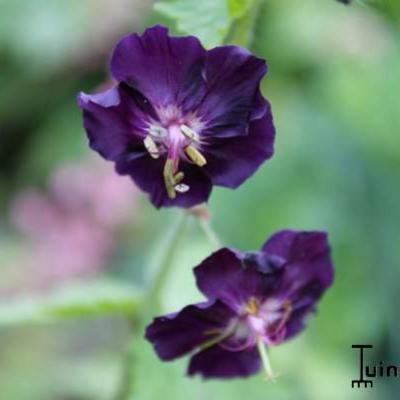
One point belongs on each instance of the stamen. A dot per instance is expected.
(179, 177)
(253, 306)
(265, 360)
(287, 311)
(195, 156)
(220, 336)
(169, 180)
(182, 188)
(158, 132)
(189, 133)
(151, 147)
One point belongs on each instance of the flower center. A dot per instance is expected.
(270, 319)
(260, 324)
(178, 138)
(265, 321)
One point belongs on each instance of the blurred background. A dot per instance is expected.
(75, 238)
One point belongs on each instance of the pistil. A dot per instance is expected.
(169, 178)
(265, 360)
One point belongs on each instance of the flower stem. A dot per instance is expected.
(242, 30)
(162, 263)
(159, 270)
(265, 359)
(125, 388)
(210, 234)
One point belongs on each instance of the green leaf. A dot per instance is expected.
(210, 20)
(238, 8)
(391, 8)
(72, 301)
(55, 31)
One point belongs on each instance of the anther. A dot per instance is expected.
(178, 178)
(195, 156)
(189, 133)
(151, 147)
(158, 132)
(253, 306)
(182, 188)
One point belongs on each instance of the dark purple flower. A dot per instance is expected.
(254, 300)
(180, 118)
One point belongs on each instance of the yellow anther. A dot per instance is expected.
(195, 156)
(253, 306)
(169, 180)
(178, 178)
(189, 133)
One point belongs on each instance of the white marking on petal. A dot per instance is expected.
(182, 188)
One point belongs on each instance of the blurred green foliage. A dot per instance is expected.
(334, 87)
(72, 301)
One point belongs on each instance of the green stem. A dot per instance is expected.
(209, 233)
(159, 270)
(126, 386)
(242, 32)
(162, 264)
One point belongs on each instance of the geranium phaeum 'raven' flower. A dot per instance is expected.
(254, 300)
(180, 118)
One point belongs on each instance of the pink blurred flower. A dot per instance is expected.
(71, 230)
(95, 189)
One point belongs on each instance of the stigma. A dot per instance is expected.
(178, 141)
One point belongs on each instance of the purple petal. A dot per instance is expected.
(297, 322)
(147, 173)
(167, 70)
(177, 334)
(308, 272)
(233, 96)
(217, 362)
(230, 161)
(226, 277)
(115, 121)
(307, 255)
